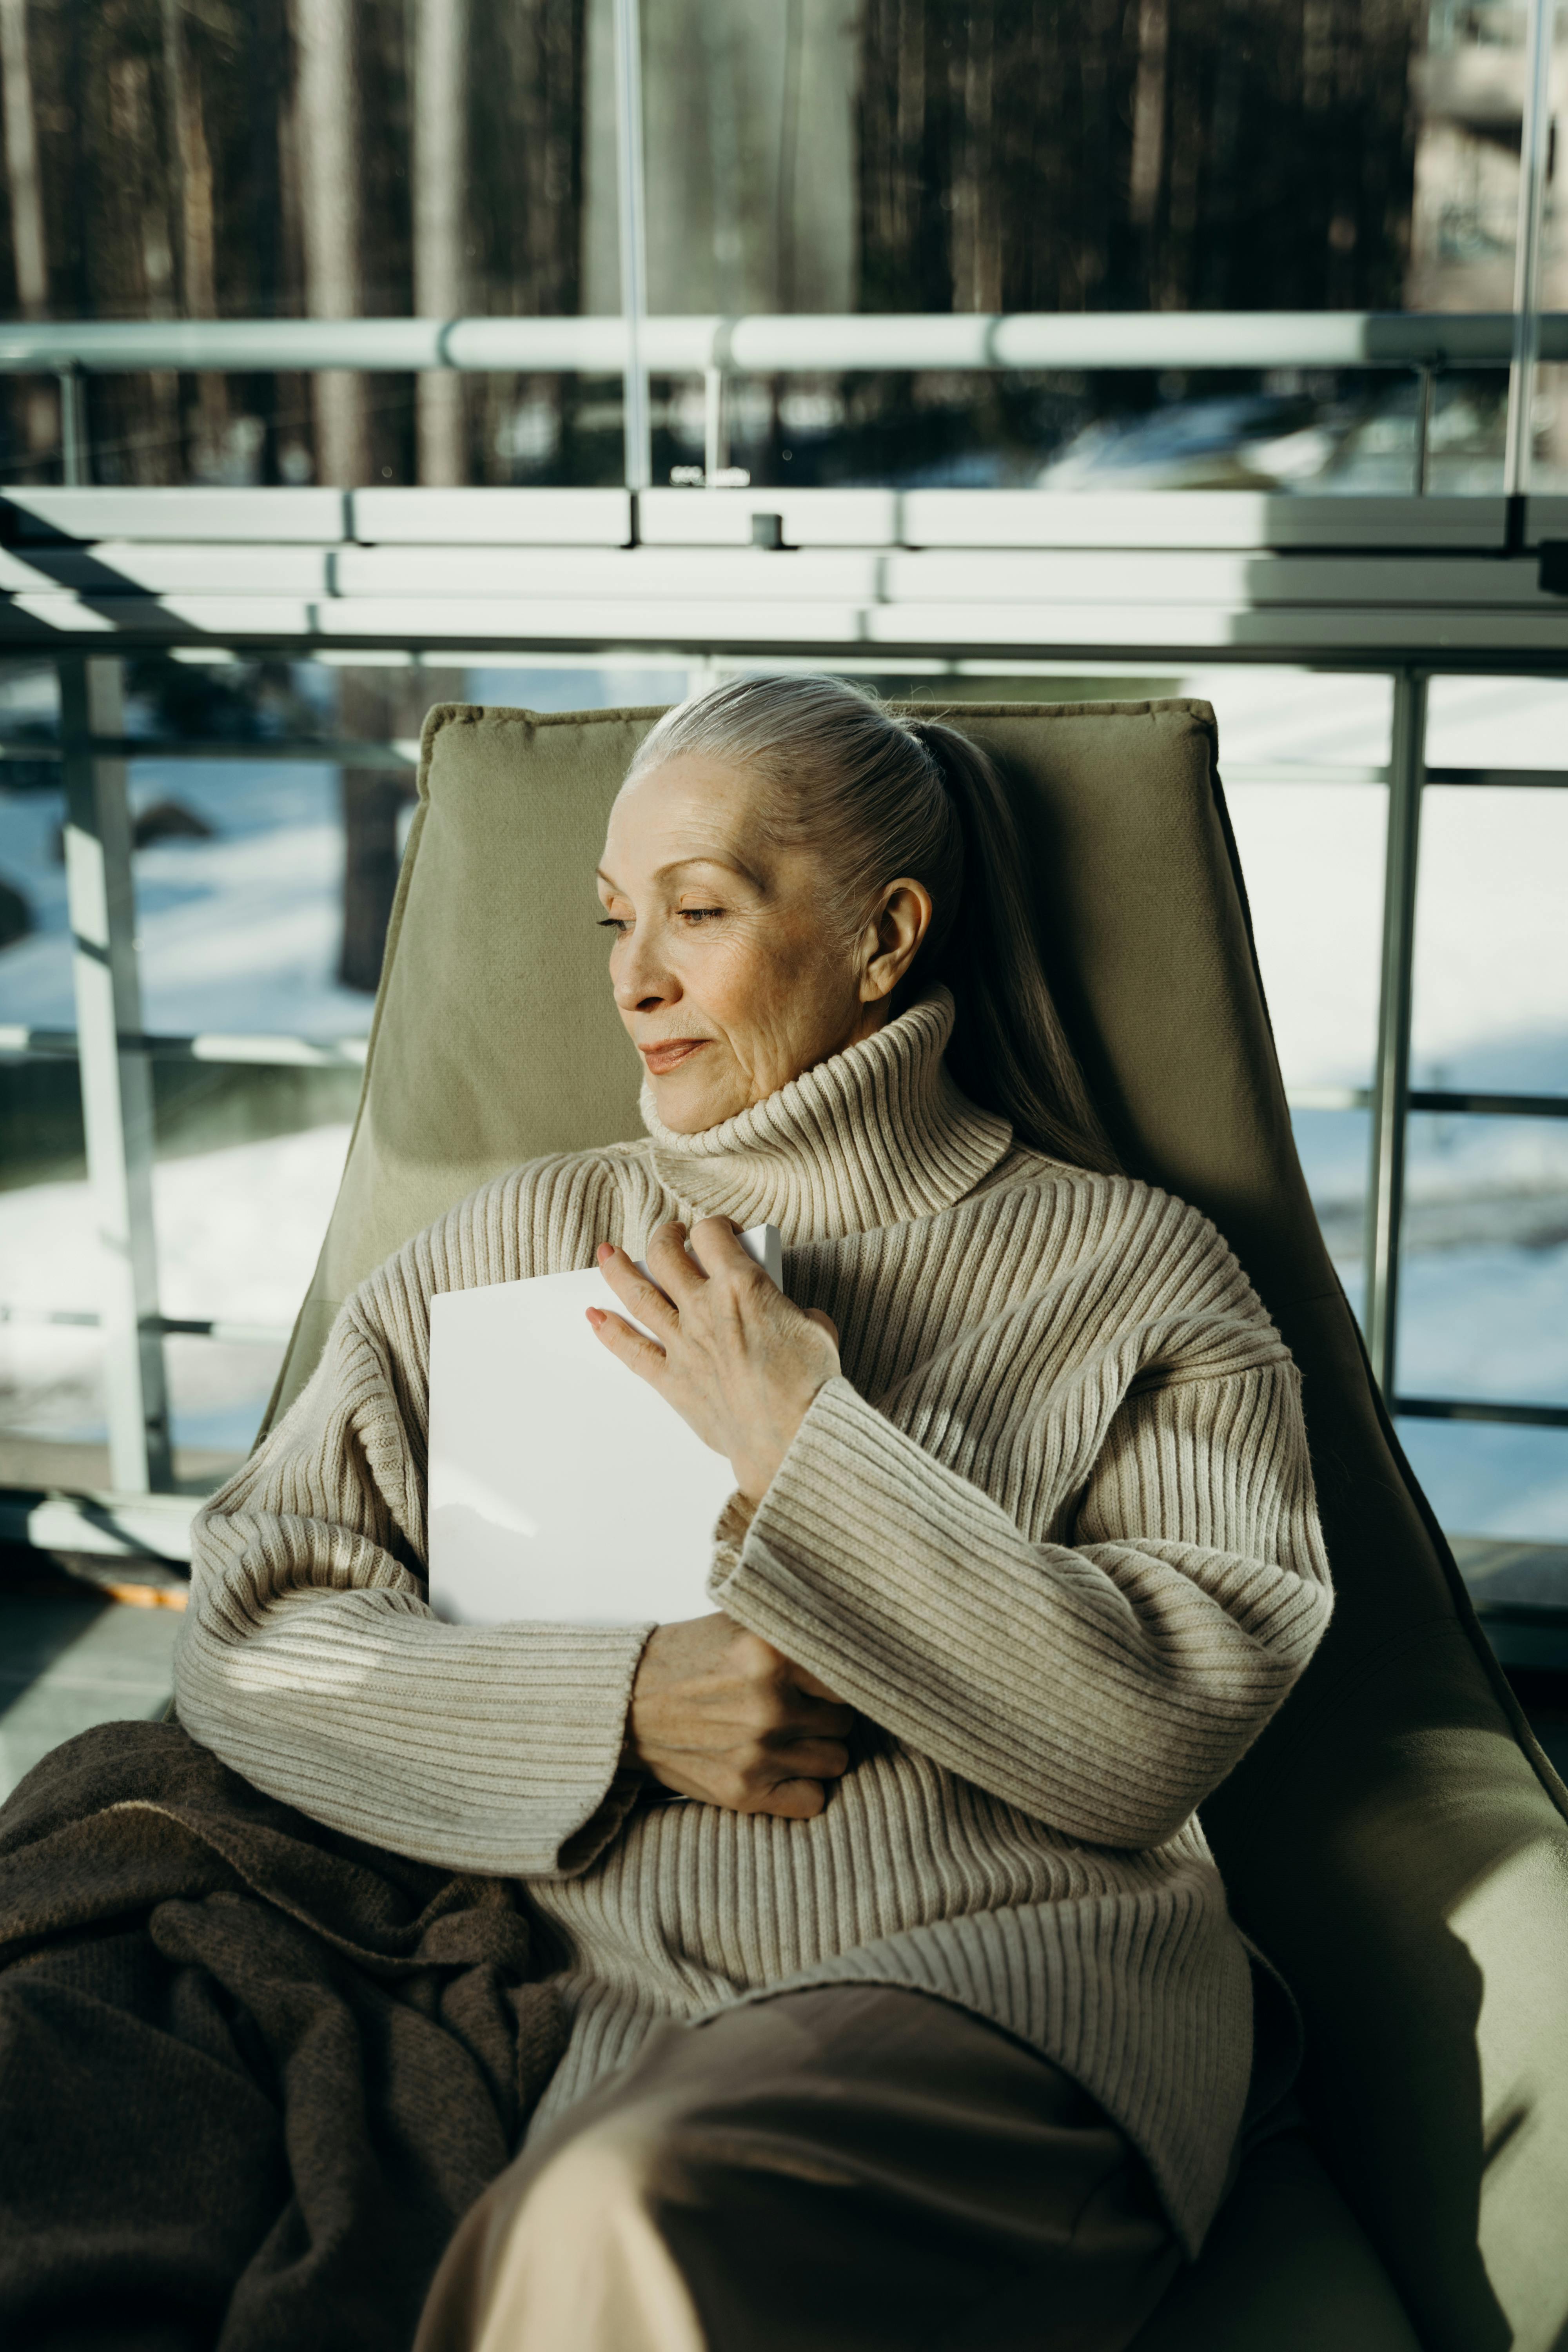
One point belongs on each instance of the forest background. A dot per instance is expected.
(333, 158)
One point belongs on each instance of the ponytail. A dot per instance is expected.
(1009, 1051)
(881, 795)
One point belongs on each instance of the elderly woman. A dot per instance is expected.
(1022, 1554)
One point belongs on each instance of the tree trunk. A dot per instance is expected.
(1149, 113)
(155, 455)
(329, 168)
(191, 169)
(40, 414)
(371, 803)
(378, 705)
(441, 224)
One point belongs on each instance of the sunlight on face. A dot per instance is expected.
(730, 967)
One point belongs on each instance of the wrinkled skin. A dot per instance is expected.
(729, 945)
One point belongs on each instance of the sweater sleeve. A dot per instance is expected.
(1105, 1686)
(310, 1660)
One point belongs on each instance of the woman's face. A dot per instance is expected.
(728, 965)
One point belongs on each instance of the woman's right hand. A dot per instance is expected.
(720, 1714)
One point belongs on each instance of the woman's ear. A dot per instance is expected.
(893, 937)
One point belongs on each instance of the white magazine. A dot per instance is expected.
(561, 1485)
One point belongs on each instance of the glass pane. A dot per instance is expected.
(34, 937)
(1484, 1285)
(240, 1224)
(239, 910)
(263, 887)
(1334, 1147)
(249, 1161)
(217, 1395)
(210, 218)
(1312, 857)
(248, 1168)
(52, 1430)
(811, 158)
(1549, 438)
(1465, 436)
(1492, 942)
(537, 686)
(1299, 716)
(1486, 1479)
(1497, 722)
(1468, 90)
(1182, 169)
(51, 1386)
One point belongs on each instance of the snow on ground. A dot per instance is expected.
(1492, 1480)
(1313, 857)
(238, 1231)
(1485, 1323)
(240, 932)
(237, 933)
(1491, 939)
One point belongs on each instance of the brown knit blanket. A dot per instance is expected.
(251, 2072)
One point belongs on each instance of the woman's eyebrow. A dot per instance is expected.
(679, 864)
(724, 864)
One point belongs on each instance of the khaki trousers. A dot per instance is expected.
(844, 2169)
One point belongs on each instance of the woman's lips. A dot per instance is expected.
(669, 1054)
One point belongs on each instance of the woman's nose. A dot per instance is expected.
(642, 982)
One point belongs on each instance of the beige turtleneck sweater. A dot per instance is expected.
(1052, 1533)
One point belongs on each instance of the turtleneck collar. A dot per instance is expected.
(877, 1135)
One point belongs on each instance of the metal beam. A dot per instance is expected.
(305, 750)
(1040, 341)
(126, 1525)
(76, 446)
(1391, 1074)
(116, 1076)
(258, 1050)
(1518, 1416)
(1534, 161)
(634, 242)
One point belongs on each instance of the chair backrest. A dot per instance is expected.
(1396, 1841)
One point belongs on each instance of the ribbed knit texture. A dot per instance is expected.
(1052, 1534)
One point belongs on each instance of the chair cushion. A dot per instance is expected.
(1286, 2268)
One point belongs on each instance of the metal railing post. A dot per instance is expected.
(1391, 1077)
(116, 1077)
(75, 449)
(634, 239)
(715, 439)
(1425, 384)
(1534, 160)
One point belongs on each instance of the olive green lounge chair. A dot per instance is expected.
(1396, 1841)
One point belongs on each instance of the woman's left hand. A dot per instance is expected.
(737, 1360)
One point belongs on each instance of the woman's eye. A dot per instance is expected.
(693, 914)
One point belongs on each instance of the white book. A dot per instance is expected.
(561, 1485)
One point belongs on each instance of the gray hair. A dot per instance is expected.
(883, 795)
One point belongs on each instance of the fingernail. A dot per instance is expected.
(605, 1250)
(596, 1316)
